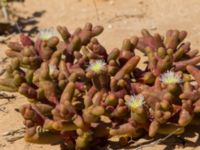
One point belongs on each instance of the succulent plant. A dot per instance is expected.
(81, 96)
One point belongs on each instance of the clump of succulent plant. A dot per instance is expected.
(81, 96)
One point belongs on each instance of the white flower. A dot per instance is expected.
(52, 69)
(97, 66)
(170, 77)
(135, 101)
(45, 34)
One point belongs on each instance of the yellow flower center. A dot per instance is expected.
(97, 66)
(46, 34)
(170, 77)
(135, 101)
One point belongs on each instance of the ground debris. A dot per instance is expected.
(14, 135)
(6, 96)
(3, 109)
(125, 16)
(154, 142)
(4, 39)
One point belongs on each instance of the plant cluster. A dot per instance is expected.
(81, 95)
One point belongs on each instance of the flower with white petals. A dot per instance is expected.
(46, 34)
(170, 77)
(97, 66)
(135, 101)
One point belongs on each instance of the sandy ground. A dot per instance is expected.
(121, 19)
